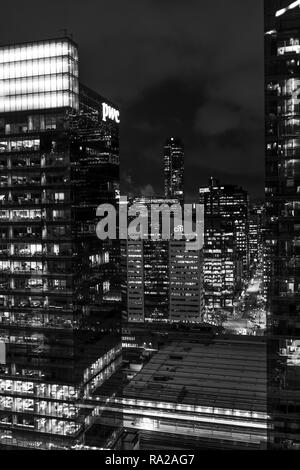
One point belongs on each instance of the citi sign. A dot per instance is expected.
(110, 113)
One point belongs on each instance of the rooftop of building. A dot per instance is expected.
(226, 373)
(63, 38)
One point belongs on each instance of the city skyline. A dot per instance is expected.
(62, 290)
(149, 294)
(194, 88)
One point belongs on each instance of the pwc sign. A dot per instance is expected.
(108, 112)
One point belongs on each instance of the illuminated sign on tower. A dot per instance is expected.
(290, 7)
(110, 113)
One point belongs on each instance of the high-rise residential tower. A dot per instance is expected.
(174, 168)
(59, 159)
(282, 92)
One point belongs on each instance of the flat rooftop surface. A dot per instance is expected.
(225, 373)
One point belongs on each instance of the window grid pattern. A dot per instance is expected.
(39, 76)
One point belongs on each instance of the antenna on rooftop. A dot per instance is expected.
(66, 33)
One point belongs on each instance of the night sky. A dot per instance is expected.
(188, 68)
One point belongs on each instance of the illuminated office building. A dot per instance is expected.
(219, 265)
(147, 280)
(59, 160)
(253, 238)
(162, 281)
(186, 283)
(226, 244)
(174, 169)
(282, 91)
(256, 233)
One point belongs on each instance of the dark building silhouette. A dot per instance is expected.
(282, 91)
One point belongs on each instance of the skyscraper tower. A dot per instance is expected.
(174, 169)
(282, 92)
(226, 245)
(162, 282)
(59, 160)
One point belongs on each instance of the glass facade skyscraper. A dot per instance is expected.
(59, 309)
(174, 169)
(226, 243)
(282, 88)
(39, 76)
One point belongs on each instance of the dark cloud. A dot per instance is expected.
(187, 67)
(216, 118)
